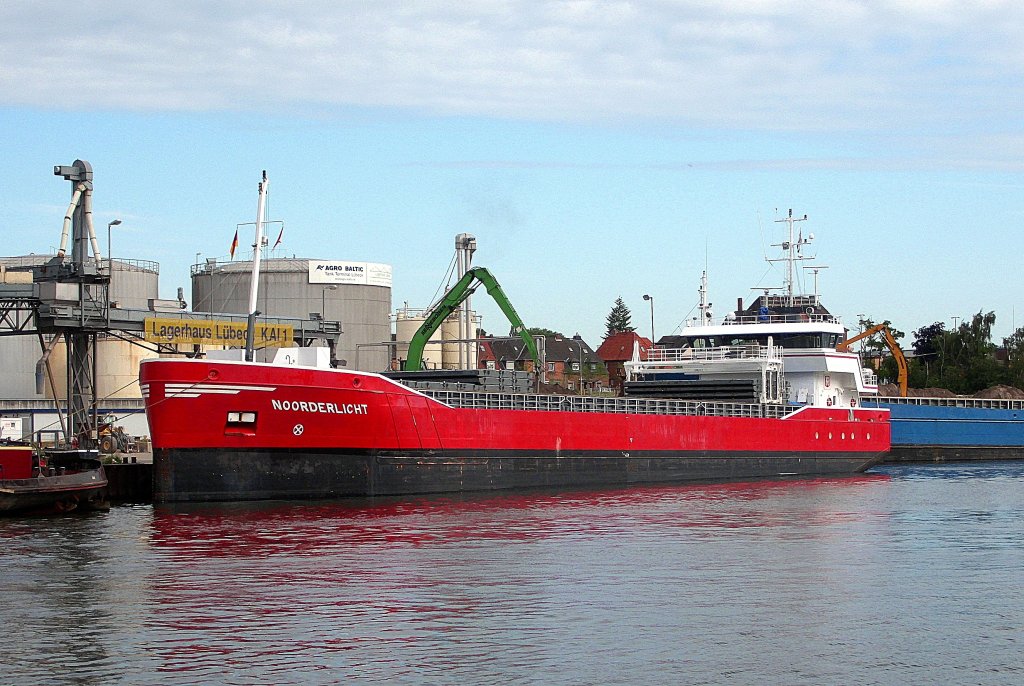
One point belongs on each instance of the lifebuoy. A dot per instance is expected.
(828, 402)
(853, 402)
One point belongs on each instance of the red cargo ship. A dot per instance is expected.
(227, 430)
(715, 404)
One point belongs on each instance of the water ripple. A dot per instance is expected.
(908, 575)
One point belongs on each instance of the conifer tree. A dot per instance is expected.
(618, 320)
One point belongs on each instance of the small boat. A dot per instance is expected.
(50, 481)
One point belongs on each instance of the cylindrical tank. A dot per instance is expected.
(442, 354)
(450, 358)
(117, 368)
(407, 322)
(356, 294)
(133, 283)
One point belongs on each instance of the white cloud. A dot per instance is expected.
(739, 63)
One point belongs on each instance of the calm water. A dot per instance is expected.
(910, 575)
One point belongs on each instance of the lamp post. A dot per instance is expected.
(110, 260)
(110, 267)
(323, 300)
(651, 298)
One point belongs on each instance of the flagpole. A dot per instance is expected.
(250, 332)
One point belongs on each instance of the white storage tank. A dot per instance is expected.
(407, 322)
(356, 294)
(117, 368)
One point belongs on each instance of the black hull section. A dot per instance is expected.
(203, 475)
(954, 453)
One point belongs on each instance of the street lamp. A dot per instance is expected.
(323, 300)
(651, 298)
(110, 260)
(110, 267)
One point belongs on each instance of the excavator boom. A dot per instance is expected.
(903, 372)
(451, 301)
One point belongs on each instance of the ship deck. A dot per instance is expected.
(617, 405)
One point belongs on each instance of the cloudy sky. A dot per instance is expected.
(596, 149)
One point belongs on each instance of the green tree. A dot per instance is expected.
(926, 339)
(1015, 358)
(874, 345)
(618, 320)
(967, 356)
(541, 331)
(925, 367)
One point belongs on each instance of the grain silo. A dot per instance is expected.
(447, 348)
(356, 294)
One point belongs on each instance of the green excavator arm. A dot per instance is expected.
(451, 301)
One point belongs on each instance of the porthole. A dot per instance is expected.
(815, 435)
(830, 435)
(869, 437)
(843, 435)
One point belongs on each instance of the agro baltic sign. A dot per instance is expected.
(357, 273)
(212, 332)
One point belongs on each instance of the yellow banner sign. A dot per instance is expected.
(213, 332)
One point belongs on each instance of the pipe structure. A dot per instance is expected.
(75, 198)
(87, 211)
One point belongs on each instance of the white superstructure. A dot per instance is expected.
(778, 349)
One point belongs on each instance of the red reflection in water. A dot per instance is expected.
(382, 583)
(248, 529)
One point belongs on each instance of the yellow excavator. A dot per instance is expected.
(894, 348)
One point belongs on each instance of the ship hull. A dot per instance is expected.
(954, 429)
(231, 431)
(205, 475)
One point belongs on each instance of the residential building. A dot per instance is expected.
(616, 350)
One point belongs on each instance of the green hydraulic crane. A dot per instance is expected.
(458, 293)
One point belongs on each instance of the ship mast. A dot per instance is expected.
(793, 255)
(704, 306)
(254, 284)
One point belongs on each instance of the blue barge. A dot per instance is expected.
(953, 429)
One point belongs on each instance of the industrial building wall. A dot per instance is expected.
(285, 290)
(20, 354)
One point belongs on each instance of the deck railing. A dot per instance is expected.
(617, 405)
(730, 352)
(782, 319)
(974, 403)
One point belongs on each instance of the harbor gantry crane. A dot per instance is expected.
(69, 300)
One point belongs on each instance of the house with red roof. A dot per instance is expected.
(616, 350)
